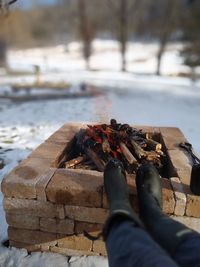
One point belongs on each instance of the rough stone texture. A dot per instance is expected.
(64, 134)
(91, 215)
(31, 237)
(45, 205)
(60, 210)
(76, 243)
(168, 196)
(99, 247)
(47, 151)
(45, 246)
(193, 206)
(71, 252)
(23, 221)
(75, 187)
(21, 182)
(74, 127)
(180, 159)
(105, 200)
(182, 164)
(180, 197)
(91, 228)
(172, 137)
(42, 184)
(184, 175)
(192, 223)
(28, 247)
(30, 207)
(53, 225)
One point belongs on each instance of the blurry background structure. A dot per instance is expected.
(137, 61)
(49, 23)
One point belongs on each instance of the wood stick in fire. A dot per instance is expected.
(95, 158)
(140, 153)
(153, 145)
(126, 152)
(74, 162)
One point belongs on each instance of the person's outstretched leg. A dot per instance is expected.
(187, 253)
(128, 244)
(171, 235)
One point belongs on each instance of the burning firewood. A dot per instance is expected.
(128, 155)
(106, 146)
(95, 158)
(153, 145)
(140, 153)
(101, 142)
(72, 163)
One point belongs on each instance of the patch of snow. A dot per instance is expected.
(141, 58)
(130, 98)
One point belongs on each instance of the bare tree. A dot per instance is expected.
(3, 43)
(191, 25)
(164, 21)
(123, 31)
(4, 5)
(166, 29)
(86, 31)
(163, 40)
(122, 9)
(3, 50)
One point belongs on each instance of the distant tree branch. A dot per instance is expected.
(12, 2)
(5, 4)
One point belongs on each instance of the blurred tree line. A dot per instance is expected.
(125, 20)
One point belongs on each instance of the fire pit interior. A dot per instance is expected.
(93, 147)
(56, 195)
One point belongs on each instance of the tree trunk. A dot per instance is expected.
(85, 32)
(159, 58)
(123, 36)
(193, 74)
(161, 50)
(166, 28)
(3, 49)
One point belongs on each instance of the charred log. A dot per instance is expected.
(97, 144)
(95, 158)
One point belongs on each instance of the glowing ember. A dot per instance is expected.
(94, 146)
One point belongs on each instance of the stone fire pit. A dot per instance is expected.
(48, 209)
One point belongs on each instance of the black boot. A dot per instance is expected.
(118, 196)
(167, 232)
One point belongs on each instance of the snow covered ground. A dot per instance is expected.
(133, 98)
(141, 58)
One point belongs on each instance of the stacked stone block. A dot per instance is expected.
(50, 209)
